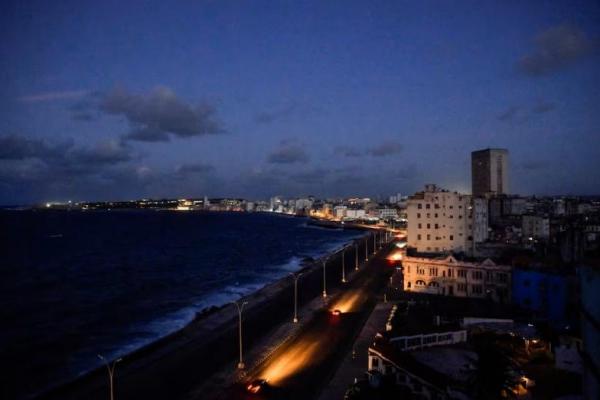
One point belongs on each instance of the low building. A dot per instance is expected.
(535, 227)
(450, 276)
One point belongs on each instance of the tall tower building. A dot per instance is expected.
(489, 172)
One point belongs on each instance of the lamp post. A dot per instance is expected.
(375, 243)
(356, 257)
(344, 265)
(240, 308)
(295, 276)
(111, 373)
(324, 278)
(367, 249)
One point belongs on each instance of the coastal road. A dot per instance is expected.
(299, 369)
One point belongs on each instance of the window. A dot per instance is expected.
(433, 272)
(419, 226)
(477, 275)
(461, 287)
(437, 226)
(451, 207)
(428, 237)
(408, 286)
(437, 206)
(451, 237)
(375, 362)
(419, 236)
(477, 289)
(420, 271)
(501, 277)
(428, 226)
(419, 206)
(435, 215)
(418, 215)
(462, 273)
(420, 283)
(427, 206)
(460, 217)
(450, 216)
(459, 206)
(428, 215)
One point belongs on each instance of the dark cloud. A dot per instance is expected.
(386, 149)
(348, 151)
(509, 114)
(311, 176)
(267, 117)
(197, 168)
(288, 152)
(555, 49)
(160, 115)
(543, 107)
(14, 147)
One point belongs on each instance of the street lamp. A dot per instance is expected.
(324, 278)
(355, 256)
(295, 276)
(240, 308)
(343, 265)
(367, 249)
(111, 373)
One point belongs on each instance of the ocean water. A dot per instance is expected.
(76, 284)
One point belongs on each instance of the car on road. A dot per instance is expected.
(256, 385)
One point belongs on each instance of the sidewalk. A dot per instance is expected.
(350, 367)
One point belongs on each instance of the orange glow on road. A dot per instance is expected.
(346, 302)
(294, 360)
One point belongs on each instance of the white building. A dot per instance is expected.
(386, 213)
(439, 221)
(451, 277)
(355, 214)
(339, 212)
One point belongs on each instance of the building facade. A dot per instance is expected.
(451, 277)
(489, 172)
(439, 221)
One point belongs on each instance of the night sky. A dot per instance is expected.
(119, 100)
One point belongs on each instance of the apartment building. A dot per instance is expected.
(440, 221)
(451, 276)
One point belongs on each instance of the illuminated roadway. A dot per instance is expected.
(300, 368)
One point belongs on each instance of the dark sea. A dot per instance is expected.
(76, 284)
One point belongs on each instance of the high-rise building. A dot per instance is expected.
(489, 172)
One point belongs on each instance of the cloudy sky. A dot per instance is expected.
(118, 100)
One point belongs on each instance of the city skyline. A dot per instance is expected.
(112, 102)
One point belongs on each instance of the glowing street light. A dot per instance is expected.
(111, 373)
(240, 308)
(356, 257)
(295, 276)
(343, 265)
(367, 249)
